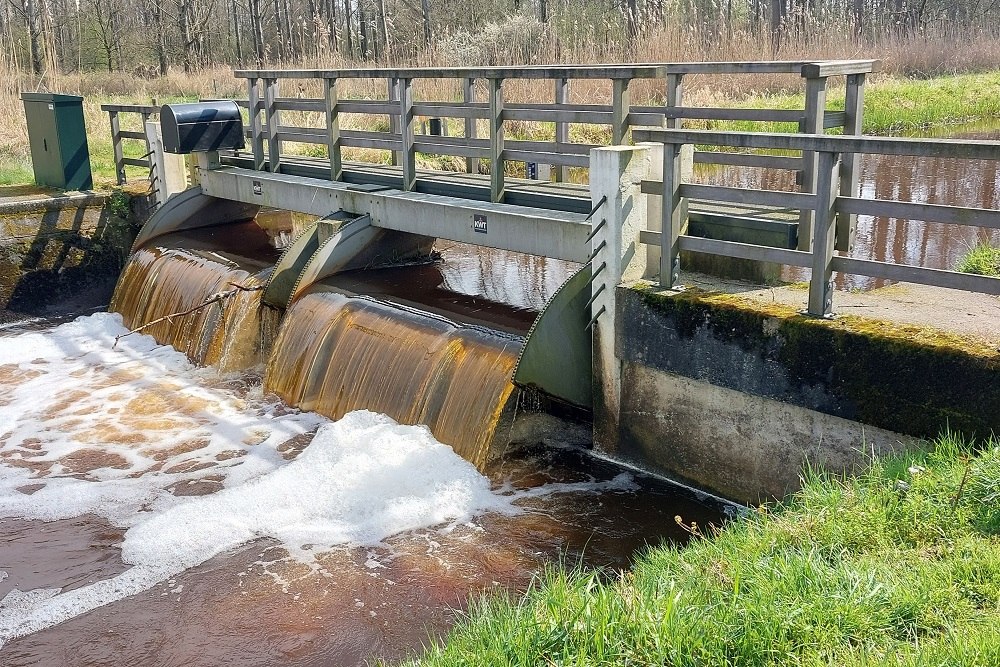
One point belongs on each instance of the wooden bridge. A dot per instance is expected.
(561, 216)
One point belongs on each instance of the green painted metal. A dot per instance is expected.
(287, 270)
(192, 209)
(58, 138)
(557, 357)
(359, 244)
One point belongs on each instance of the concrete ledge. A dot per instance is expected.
(56, 202)
(742, 446)
(54, 246)
(735, 394)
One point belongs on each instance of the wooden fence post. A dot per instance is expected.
(562, 128)
(116, 144)
(408, 153)
(469, 97)
(256, 126)
(821, 281)
(272, 119)
(850, 166)
(333, 129)
(814, 116)
(496, 141)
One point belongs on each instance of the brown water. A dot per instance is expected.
(180, 272)
(335, 354)
(934, 245)
(259, 607)
(136, 416)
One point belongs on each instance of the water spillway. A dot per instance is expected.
(336, 353)
(434, 340)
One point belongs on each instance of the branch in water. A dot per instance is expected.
(218, 297)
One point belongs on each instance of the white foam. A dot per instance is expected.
(360, 480)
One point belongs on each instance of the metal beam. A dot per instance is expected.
(535, 231)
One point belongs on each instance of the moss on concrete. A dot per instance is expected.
(910, 379)
(53, 253)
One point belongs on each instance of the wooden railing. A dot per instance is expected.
(118, 136)
(827, 213)
(267, 132)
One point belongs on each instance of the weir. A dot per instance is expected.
(336, 335)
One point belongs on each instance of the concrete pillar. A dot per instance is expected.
(169, 170)
(616, 175)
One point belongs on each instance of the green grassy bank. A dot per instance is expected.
(897, 105)
(899, 566)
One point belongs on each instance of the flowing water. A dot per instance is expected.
(157, 511)
(925, 180)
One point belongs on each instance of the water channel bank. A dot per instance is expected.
(899, 566)
(62, 250)
(739, 392)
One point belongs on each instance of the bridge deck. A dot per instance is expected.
(765, 225)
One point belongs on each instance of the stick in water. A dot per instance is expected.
(218, 297)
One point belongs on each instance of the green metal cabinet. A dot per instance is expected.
(58, 138)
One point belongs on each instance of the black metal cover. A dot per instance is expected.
(200, 127)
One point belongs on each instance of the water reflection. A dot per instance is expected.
(933, 245)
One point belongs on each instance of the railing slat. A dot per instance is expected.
(946, 148)
(299, 104)
(761, 253)
(445, 110)
(727, 114)
(749, 160)
(917, 274)
(564, 159)
(799, 200)
(955, 215)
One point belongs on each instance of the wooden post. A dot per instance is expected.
(149, 145)
(815, 112)
(675, 94)
(256, 127)
(850, 166)
(408, 153)
(562, 128)
(619, 111)
(496, 141)
(469, 97)
(393, 86)
(673, 216)
(333, 129)
(821, 281)
(272, 118)
(116, 145)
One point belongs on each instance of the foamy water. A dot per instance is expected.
(193, 465)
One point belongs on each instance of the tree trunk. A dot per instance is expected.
(332, 21)
(347, 27)
(161, 37)
(34, 35)
(383, 26)
(363, 32)
(425, 10)
(278, 40)
(236, 32)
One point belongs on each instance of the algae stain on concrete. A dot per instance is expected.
(906, 378)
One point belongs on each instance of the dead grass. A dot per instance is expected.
(919, 57)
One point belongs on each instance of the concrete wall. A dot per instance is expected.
(55, 247)
(736, 397)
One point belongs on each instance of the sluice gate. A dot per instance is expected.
(337, 320)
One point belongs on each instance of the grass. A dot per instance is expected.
(983, 260)
(899, 566)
